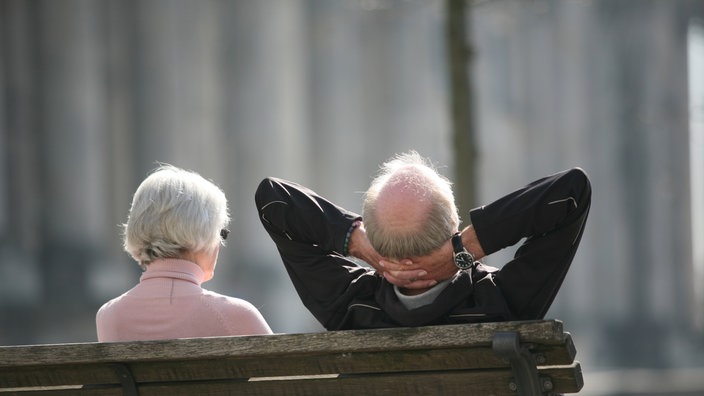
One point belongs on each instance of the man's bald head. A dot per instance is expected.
(409, 208)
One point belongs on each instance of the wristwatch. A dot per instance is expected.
(463, 258)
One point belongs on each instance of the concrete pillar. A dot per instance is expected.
(73, 178)
(266, 134)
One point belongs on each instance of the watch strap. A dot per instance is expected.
(457, 245)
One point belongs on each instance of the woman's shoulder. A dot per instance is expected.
(226, 302)
(240, 315)
(114, 303)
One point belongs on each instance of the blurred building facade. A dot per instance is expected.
(96, 93)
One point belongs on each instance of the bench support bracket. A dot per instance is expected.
(526, 381)
(129, 387)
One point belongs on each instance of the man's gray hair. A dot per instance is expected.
(174, 211)
(419, 174)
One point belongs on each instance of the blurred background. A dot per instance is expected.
(96, 93)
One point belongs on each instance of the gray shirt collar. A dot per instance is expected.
(425, 298)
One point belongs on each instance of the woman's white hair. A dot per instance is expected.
(174, 211)
(442, 219)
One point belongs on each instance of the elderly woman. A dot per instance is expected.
(175, 228)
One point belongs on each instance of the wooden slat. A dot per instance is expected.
(70, 374)
(453, 336)
(58, 391)
(566, 379)
(443, 383)
(398, 358)
(245, 367)
(352, 362)
(349, 363)
(455, 382)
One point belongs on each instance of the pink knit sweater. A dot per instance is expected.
(169, 302)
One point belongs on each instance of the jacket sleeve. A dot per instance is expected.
(545, 206)
(309, 232)
(291, 210)
(550, 213)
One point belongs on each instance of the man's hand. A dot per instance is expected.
(407, 275)
(439, 264)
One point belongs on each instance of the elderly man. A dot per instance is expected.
(425, 269)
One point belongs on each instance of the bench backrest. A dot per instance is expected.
(456, 359)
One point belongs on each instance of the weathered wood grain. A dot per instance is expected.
(423, 360)
(452, 336)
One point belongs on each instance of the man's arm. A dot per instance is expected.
(530, 210)
(310, 232)
(295, 213)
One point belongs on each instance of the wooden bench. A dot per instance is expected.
(508, 358)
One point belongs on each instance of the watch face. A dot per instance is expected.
(463, 260)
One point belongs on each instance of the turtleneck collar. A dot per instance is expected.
(174, 268)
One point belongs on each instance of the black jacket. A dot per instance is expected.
(309, 233)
